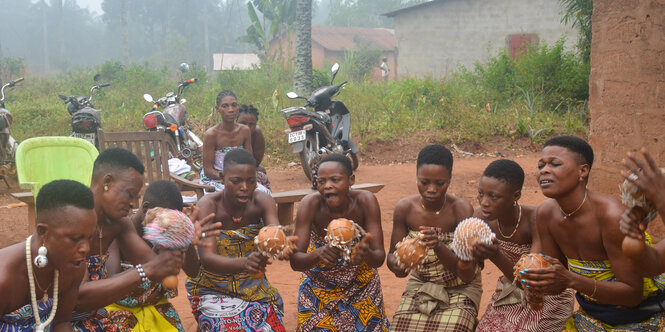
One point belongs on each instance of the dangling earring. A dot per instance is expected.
(106, 187)
(581, 179)
(514, 203)
(41, 260)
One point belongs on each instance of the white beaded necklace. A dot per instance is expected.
(39, 326)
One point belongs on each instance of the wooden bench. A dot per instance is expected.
(152, 148)
(26, 197)
(286, 199)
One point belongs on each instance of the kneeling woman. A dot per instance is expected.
(43, 273)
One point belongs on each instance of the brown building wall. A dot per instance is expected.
(626, 86)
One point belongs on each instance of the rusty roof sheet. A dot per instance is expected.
(343, 38)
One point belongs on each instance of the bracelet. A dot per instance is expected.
(590, 297)
(139, 269)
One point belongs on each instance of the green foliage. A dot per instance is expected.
(358, 64)
(462, 108)
(10, 68)
(579, 13)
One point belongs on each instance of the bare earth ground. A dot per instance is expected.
(392, 164)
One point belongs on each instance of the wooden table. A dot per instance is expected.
(286, 199)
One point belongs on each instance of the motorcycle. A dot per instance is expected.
(172, 118)
(320, 127)
(86, 119)
(8, 144)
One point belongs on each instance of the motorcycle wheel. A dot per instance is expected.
(309, 156)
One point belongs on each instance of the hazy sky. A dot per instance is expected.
(92, 5)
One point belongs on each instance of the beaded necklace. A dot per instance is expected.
(39, 325)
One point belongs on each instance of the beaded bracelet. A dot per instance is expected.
(139, 269)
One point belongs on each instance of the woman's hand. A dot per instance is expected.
(430, 236)
(256, 263)
(395, 268)
(329, 255)
(549, 281)
(203, 228)
(647, 176)
(361, 252)
(482, 250)
(630, 225)
(289, 248)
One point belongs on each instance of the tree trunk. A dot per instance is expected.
(61, 33)
(208, 62)
(47, 59)
(303, 70)
(124, 21)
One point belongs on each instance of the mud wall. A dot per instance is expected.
(626, 86)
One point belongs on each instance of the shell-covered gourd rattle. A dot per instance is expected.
(270, 242)
(341, 233)
(469, 232)
(634, 199)
(410, 254)
(169, 229)
(526, 262)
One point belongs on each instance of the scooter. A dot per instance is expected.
(86, 119)
(320, 127)
(8, 144)
(172, 118)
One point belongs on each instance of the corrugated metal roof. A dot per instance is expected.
(343, 38)
(399, 11)
(230, 61)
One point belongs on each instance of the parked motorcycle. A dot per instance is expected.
(8, 144)
(86, 119)
(172, 118)
(320, 127)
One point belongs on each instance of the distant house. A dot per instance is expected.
(230, 61)
(329, 44)
(435, 37)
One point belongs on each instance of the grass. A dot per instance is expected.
(468, 107)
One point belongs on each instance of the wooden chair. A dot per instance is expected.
(286, 199)
(152, 148)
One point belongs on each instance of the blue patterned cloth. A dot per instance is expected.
(23, 320)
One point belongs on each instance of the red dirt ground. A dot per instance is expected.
(393, 166)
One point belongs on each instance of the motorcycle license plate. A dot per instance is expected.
(297, 136)
(90, 137)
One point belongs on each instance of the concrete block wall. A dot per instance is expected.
(434, 40)
(626, 89)
(626, 86)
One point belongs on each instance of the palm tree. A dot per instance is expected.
(303, 70)
(579, 13)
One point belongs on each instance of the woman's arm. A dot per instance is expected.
(400, 230)
(301, 260)
(373, 254)
(208, 155)
(258, 145)
(465, 271)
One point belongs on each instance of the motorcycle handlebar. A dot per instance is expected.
(18, 80)
(189, 81)
(103, 85)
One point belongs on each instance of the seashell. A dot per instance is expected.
(531, 261)
(469, 232)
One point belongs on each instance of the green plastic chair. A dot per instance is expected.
(40, 160)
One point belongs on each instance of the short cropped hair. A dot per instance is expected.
(249, 109)
(339, 158)
(60, 193)
(222, 94)
(574, 144)
(506, 170)
(238, 157)
(435, 155)
(164, 194)
(116, 159)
